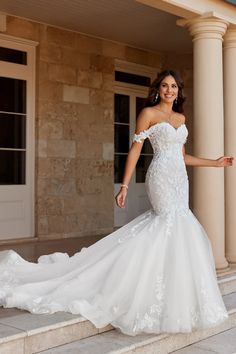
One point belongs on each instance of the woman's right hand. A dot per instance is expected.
(120, 197)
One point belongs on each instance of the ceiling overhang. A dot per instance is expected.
(125, 21)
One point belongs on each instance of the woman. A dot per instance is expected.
(155, 274)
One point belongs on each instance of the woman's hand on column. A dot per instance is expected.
(120, 197)
(224, 161)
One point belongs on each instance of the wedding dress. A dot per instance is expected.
(155, 274)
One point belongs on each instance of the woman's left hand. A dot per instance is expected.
(224, 161)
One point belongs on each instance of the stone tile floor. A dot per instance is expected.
(222, 343)
(32, 249)
(113, 342)
(110, 343)
(16, 323)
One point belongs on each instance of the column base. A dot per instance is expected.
(222, 267)
(231, 258)
(223, 272)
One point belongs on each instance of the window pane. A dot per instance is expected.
(121, 138)
(140, 104)
(12, 167)
(121, 108)
(147, 147)
(132, 78)
(119, 167)
(12, 95)
(12, 131)
(141, 168)
(13, 56)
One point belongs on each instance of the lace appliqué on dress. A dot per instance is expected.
(136, 228)
(210, 311)
(141, 136)
(151, 319)
(213, 312)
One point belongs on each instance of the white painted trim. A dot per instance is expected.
(133, 68)
(19, 71)
(17, 40)
(3, 22)
(31, 104)
(130, 88)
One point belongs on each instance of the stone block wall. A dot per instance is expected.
(74, 127)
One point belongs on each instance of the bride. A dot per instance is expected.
(155, 274)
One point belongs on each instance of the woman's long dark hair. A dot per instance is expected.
(152, 99)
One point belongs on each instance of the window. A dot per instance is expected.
(122, 132)
(13, 56)
(146, 153)
(132, 78)
(12, 130)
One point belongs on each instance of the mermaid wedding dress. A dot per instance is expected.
(155, 274)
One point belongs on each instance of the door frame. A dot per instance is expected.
(138, 90)
(25, 72)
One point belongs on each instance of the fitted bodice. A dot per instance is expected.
(163, 136)
(166, 178)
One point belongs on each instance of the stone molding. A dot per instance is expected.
(230, 39)
(204, 27)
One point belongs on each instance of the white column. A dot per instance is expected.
(209, 130)
(230, 141)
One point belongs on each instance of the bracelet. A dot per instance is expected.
(124, 186)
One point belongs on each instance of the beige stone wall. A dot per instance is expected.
(74, 127)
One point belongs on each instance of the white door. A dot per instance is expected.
(128, 104)
(16, 139)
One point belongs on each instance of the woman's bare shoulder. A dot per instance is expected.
(149, 111)
(144, 119)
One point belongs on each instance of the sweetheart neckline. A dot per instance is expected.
(159, 123)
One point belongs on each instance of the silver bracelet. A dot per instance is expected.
(124, 186)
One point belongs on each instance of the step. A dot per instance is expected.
(222, 343)
(35, 333)
(25, 333)
(227, 283)
(114, 342)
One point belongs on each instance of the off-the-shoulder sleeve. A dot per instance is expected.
(141, 136)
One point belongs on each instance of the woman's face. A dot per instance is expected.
(168, 89)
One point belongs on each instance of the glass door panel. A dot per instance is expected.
(12, 95)
(122, 134)
(13, 56)
(146, 152)
(12, 167)
(12, 131)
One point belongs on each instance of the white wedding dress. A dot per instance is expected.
(155, 274)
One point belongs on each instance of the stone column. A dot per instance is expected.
(230, 145)
(208, 127)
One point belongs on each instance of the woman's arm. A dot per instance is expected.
(143, 123)
(223, 161)
(131, 161)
